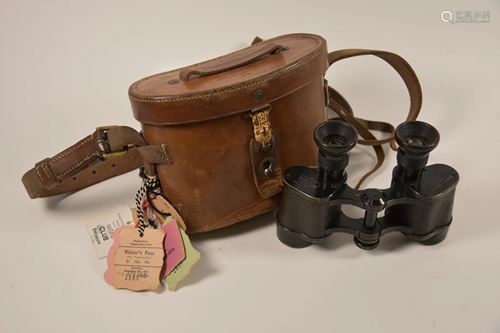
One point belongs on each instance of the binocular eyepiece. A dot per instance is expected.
(416, 137)
(418, 203)
(416, 140)
(335, 138)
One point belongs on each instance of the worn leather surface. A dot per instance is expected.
(155, 101)
(212, 174)
(207, 126)
(154, 154)
(267, 185)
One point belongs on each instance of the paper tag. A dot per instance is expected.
(139, 260)
(165, 207)
(183, 269)
(109, 275)
(173, 246)
(102, 226)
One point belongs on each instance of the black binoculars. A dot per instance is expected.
(418, 203)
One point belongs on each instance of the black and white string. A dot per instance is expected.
(148, 184)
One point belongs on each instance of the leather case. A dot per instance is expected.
(205, 114)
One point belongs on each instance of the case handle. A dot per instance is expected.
(269, 48)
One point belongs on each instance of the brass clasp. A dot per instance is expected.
(111, 154)
(262, 126)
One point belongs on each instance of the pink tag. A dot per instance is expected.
(174, 248)
(139, 259)
(109, 275)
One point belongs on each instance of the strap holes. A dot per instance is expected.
(113, 165)
(74, 178)
(93, 172)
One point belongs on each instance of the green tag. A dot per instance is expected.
(183, 269)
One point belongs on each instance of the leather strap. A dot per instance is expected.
(338, 103)
(106, 150)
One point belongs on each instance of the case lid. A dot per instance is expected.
(237, 82)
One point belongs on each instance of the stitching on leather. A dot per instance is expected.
(38, 173)
(45, 170)
(135, 86)
(229, 90)
(70, 151)
(76, 165)
(168, 153)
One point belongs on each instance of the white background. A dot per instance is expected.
(65, 67)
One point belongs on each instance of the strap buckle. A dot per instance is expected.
(103, 142)
(115, 153)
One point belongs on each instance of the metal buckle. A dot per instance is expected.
(115, 153)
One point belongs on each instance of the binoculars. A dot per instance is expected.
(418, 203)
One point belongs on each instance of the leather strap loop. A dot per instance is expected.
(124, 136)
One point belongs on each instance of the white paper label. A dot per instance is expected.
(102, 225)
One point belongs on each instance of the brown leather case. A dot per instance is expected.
(219, 133)
(205, 114)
